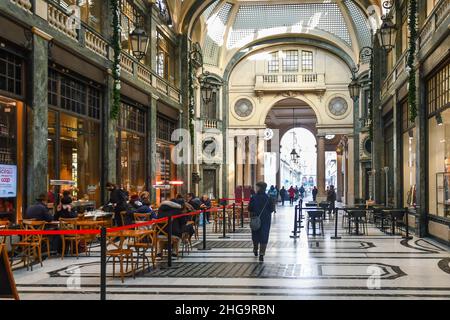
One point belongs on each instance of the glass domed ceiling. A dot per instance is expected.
(231, 28)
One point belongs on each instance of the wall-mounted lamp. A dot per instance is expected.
(439, 119)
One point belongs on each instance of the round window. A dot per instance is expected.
(243, 108)
(368, 146)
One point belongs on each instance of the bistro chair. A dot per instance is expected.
(315, 217)
(72, 240)
(162, 238)
(4, 224)
(120, 253)
(123, 217)
(31, 245)
(395, 219)
(143, 243)
(358, 217)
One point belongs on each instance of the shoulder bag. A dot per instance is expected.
(255, 221)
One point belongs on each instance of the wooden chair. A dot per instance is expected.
(120, 253)
(4, 224)
(141, 245)
(73, 240)
(31, 245)
(123, 215)
(162, 238)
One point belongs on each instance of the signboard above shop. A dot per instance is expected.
(8, 181)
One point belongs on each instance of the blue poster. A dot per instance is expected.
(8, 181)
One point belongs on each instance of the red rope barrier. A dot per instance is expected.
(9, 232)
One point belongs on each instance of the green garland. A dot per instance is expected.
(191, 101)
(371, 95)
(412, 24)
(116, 46)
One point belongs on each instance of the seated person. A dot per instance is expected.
(167, 209)
(39, 211)
(144, 207)
(64, 209)
(206, 204)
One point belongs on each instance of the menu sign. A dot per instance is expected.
(8, 181)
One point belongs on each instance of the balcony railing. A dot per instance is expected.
(24, 4)
(434, 21)
(59, 19)
(210, 124)
(396, 73)
(290, 81)
(364, 123)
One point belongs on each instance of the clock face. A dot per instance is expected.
(338, 106)
(243, 108)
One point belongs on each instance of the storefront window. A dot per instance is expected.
(409, 157)
(74, 136)
(438, 100)
(165, 171)
(10, 159)
(80, 156)
(132, 148)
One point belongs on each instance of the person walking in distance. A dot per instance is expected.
(273, 195)
(262, 206)
(315, 191)
(283, 194)
(291, 192)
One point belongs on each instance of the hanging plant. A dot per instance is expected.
(116, 46)
(370, 100)
(191, 101)
(412, 25)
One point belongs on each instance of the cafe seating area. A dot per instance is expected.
(129, 251)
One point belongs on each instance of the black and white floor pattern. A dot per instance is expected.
(374, 266)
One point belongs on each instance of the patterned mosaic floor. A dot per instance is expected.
(375, 266)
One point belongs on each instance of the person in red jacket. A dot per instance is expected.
(291, 192)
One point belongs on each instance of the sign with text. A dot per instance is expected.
(8, 181)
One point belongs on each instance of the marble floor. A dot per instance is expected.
(374, 266)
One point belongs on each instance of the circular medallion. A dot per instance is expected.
(243, 108)
(338, 106)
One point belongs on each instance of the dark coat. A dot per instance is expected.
(39, 212)
(171, 208)
(260, 204)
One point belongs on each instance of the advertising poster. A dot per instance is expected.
(8, 181)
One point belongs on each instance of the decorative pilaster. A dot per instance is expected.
(151, 146)
(321, 167)
(37, 162)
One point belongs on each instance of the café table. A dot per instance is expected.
(356, 214)
(313, 215)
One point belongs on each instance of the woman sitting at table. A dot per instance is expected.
(64, 209)
(143, 206)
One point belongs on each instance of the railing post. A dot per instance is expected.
(407, 236)
(295, 236)
(204, 232)
(242, 213)
(224, 221)
(169, 243)
(335, 237)
(103, 263)
(234, 217)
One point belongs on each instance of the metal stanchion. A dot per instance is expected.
(295, 236)
(335, 237)
(242, 213)
(407, 236)
(224, 222)
(169, 243)
(234, 217)
(204, 233)
(103, 263)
